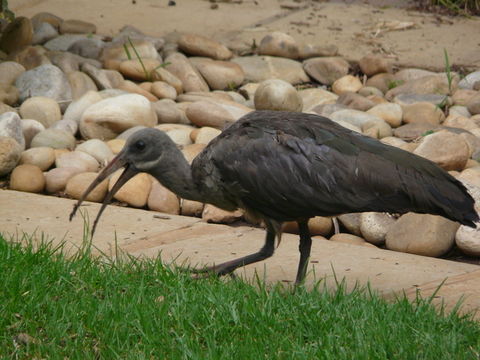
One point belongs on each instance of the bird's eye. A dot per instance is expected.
(140, 145)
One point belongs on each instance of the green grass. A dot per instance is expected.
(85, 308)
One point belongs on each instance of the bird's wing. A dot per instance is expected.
(306, 165)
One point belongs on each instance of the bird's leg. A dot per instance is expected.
(304, 247)
(228, 267)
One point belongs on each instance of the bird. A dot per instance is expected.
(281, 166)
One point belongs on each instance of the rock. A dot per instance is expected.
(370, 91)
(191, 208)
(78, 159)
(260, 68)
(9, 72)
(180, 66)
(135, 191)
(77, 27)
(67, 62)
(351, 222)
(43, 109)
(30, 128)
(459, 110)
(16, 35)
(99, 76)
(78, 183)
(116, 145)
(473, 104)
(383, 82)
(180, 136)
(220, 75)
(168, 112)
(80, 83)
(460, 122)
(30, 57)
(42, 157)
(98, 149)
(462, 96)
(215, 114)
(326, 70)
(9, 95)
(164, 75)
(140, 71)
(328, 109)
(133, 33)
(374, 226)
(363, 120)
(47, 17)
(43, 33)
(408, 99)
(468, 240)
(87, 48)
(414, 131)
(355, 101)
(27, 178)
(192, 150)
(163, 90)
(307, 51)
(277, 95)
(446, 149)
(131, 87)
(345, 84)
(194, 96)
(409, 74)
(350, 239)
(57, 178)
(374, 64)
(115, 51)
(77, 107)
(317, 225)
(198, 45)
(421, 234)
(11, 126)
(393, 141)
(471, 176)
(206, 134)
(432, 84)
(54, 138)
(315, 97)
(45, 80)
(468, 81)
(213, 214)
(67, 125)
(391, 113)
(422, 112)
(7, 108)
(10, 152)
(279, 44)
(163, 200)
(126, 134)
(109, 117)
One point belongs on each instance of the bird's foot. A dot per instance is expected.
(216, 270)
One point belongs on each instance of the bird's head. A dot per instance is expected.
(142, 152)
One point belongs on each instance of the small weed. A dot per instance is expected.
(394, 83)
(149, 75)
(428, 132)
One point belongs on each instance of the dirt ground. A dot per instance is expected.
(390, 27)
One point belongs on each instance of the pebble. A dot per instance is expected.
(43, 33)
(10, 71)
(115, 51)
(350, 239)
(205, 134)
(131, 87)
(27, 177)
(126, 134)
(163, 90)
(345, 84)
(11, 126)
(67, 125)
(198, 45)
(75, 26)
(307, 51)
(98, 149)
(191, 208)
(279, 44)
(180, 136)
(260, 68)
(192, 150)
(43, 109)
(413, 131)
(78, 159)
(107, 118)
(459, 110)
(369, 91)
(135, 191)
(215, 114)
(57, 178)
(116, 145)
(351, 222)
(468, 81)
(422, 112)
(374, 226)
(363, 120)
(314, 97)
(468, 240)
(16, 35)
(422, 234)
(431, 84)
(10, 152)
(220, 75)
(78, 183)
(374, 64)
(473, 104)
(45, 80)
(80, 83)
(180, 66)
(30, 128)
(355, 101)
(460, 122)
(326, 70)
(140, 71)
(99, 76)
(408, 99)
(383, 82)
(47, 17)
(390, 112)
(213, 214)
(169, 113)
(9, 95)
(162, 199)
(277, 95)
(317, 225)
(462, 96)
(446, 149)
(164, 75)
(54, 138)
(76, 108)
(42, 157)
(471, 175)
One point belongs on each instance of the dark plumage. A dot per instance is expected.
(283, 166)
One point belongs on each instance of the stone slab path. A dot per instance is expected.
(183, 239)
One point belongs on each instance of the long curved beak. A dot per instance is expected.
(117, 163)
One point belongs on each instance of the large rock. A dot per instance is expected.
(180, 66)
(16, 35)
(163, 90)
(277, 95)
(220, 75)
(27, 178)
(326, 70)
(57, 178)
(213, 214)
(363, 120)
(98, 149)
(431, 84)
(78, 159)
(422, 234)
(374, 226)
(345, 84)
(115, 51)
(30, 128)
(109, 117)
(374, 64)
(43, 109)
(11, 126)
(260, 68)
(447, 149)
(80, 83)
(198, 45)
(77, 107)
(10, 152)
(351, 222)
(468, 240)
(162, 199)
(54, 138)
(422, 112)
(46, 80)
(42, 157)
(279, 44)
(135, 191)
(78, 183)
(215, 114)
(391, 113)
(140, 71)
